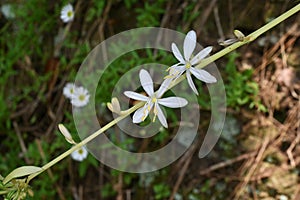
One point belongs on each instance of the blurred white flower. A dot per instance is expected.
(154, 99)
(187, 62)
(7, 11)
(79, 154)
(81, 97)
(283, 197)
(67, 13)
(69, 90)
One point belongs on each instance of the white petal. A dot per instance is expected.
(163, 87)
(203, 75)
(173, 102)
(189, 44)
(65, 13)
(161, 116)
(81, 97)
(69, 90)
(177, 69)
(202, 54)
(146, 82)
(79, 154)
(139, 115)
(190, 81)
(177, 53)
(136, 96)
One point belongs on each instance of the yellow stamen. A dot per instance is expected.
(144, 116)
(80, 151)
(154, 99)
(81, 97)
(188, 65)
(172, 74)
(154, 118)
(70, 13)
(155, 113)
(168, 76)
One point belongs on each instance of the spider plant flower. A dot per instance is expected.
(187, 62)
(79, 154)
(67, 13)
(81, 97)
(154, 100)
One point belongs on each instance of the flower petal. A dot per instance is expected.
(177, 70)
(203, 75)
(189, 44)
(190, 81)
(136, 96)
(140, 114)
(202, 54)
(146, 82)
(177, 53)
(79, 154)
(161, 116)
(173, 102)
(163, 87)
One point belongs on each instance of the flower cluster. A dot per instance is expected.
(153, 100)
(186, 65)
(79, 96)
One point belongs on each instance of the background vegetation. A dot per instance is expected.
(258, 155)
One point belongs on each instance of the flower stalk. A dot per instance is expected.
(251, 37)
(85, 141)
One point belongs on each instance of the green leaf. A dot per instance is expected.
(21, 171)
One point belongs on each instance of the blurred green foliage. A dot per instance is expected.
(240, 88)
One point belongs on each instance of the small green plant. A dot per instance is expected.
(161, 191)
(150, 14)
(240, 88)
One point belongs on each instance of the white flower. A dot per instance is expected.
(7, 11)
(67, 13)
(81, 97)
(187, 62)
(69, 90)
(154, 99)
(79, 154)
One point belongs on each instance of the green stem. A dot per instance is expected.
(250, 37)
(85, 141)
(246, 40)
(202, 64)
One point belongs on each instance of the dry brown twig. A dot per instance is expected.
(227, 163)
(239, 189)
(186, 159)
(21, 141)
